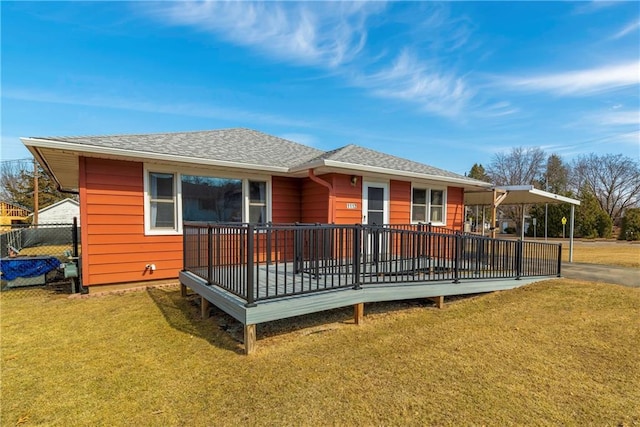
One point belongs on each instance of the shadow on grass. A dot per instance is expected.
(225, 332)
(325, 321)
(183, 314)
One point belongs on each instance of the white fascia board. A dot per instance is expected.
(144, 155)
(553, 196)
(375, 169)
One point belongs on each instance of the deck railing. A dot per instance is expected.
(260, 262)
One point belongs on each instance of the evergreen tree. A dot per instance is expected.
(591, 220)
(477, 172)
(630, 225)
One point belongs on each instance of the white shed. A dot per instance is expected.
(61, 212)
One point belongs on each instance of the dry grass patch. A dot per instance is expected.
(623, 254)
(559, 352)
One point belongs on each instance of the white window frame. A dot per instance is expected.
(428, 189)
(177, 173)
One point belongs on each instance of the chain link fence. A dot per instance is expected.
(42, 258)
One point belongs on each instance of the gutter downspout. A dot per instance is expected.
(331, 213)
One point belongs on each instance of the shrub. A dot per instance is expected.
(630, 225)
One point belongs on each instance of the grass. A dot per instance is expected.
(53, 250)
(557, 352)
(622, 254)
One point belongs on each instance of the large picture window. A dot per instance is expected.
(428, 205)
(211, 199)
(172, 198)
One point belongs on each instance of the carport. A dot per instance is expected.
(520, 195)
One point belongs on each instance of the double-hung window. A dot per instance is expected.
(162, 201)
(428, 205)
(257, 202)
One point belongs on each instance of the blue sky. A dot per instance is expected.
(447, 84)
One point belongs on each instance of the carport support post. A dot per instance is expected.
(573, 214)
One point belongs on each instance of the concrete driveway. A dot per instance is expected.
(602, 273)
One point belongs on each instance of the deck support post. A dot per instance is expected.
(183, 290)
(358, 313)
(249, 339)
(439, 301)
(205, 305)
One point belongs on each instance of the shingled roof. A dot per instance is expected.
(236, 145)
(356, 155)
(230, 148)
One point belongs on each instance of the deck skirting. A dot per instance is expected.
(290, 306)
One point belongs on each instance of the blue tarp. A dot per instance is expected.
(13, 268)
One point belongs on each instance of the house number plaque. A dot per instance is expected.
(352, 206)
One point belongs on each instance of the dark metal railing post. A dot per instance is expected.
(357, 236)
(209, 254)
(560, 260)
(184, 246)
(456, 250)
(297, 250)
(250, 264)
(519, 258)
(77, 281)
(268, 230)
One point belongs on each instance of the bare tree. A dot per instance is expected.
(11, 176)
(613, 178)
(18, 185)
(518, 167)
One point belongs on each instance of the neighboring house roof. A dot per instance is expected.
(58, 203)
(14, 205)
(230, 148)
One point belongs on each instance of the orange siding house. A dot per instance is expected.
(136, 191)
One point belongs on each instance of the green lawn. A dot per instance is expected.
(559, 352)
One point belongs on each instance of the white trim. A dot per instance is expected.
(144, 155)
(212, 173)
(428, 190)
(466, 183)
(365, 202)
(148, 231)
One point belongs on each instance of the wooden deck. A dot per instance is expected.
(261, 273)
(296, 305)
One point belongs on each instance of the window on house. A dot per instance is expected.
(437, 206)
(172, 198)
(419, 205)
(162, 200)
(257, 202)
(427, 205)
(211, 199)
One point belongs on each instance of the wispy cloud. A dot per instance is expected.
(410, 79)
(578, 82)
(628, 29)
(619, 118)
(225, 113)
(594, 6)
(308, 33)
(333, 36)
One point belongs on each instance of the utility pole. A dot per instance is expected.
(35, 192)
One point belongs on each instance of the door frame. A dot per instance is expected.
(365, 200)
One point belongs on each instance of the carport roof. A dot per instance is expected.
(516, 195)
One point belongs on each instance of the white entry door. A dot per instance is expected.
(375, 203)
